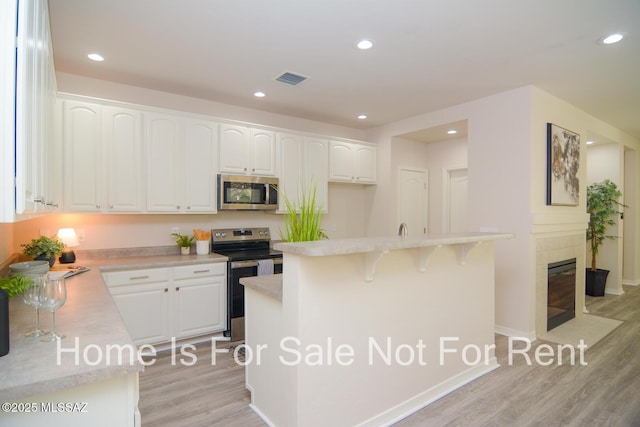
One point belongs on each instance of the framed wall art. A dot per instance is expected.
(563, 161)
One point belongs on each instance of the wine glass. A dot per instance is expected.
(31, 297)
(53, 296)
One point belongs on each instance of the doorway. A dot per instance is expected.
(413, 199)
(454, 192)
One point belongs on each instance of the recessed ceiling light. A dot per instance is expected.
(613, 38)
(365, 44)
(259, 94)
(589, 142)
(362, 116)
(95, 57)
(452, 132)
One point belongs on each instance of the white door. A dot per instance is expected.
(455, 215)
(412, 200)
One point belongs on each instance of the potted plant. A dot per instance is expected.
(302, 223)
(44, 248)
(602, 206)
(184, 242)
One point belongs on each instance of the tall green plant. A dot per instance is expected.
(602, 206)
(304, 225)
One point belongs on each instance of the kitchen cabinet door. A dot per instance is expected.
(200, 306)
(341, 162)
(234, 149)
(247, 151)
(263, 153)
(145, 310)
(289, 165)
(122, 147)
(28, 117)
(365, 163)
(316, 169)
(200, 170)
(164, 159)
(352, 162)
(82, 171)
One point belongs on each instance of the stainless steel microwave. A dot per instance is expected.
(242, 192)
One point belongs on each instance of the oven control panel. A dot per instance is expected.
(240, 234)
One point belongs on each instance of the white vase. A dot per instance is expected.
(202, 247)
(185, 251)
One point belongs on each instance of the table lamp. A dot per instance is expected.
(68, 237)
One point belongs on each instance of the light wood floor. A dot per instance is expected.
(604, 393)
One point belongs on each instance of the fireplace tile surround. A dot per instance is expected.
(550, 249)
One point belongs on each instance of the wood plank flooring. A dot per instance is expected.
(606, 392)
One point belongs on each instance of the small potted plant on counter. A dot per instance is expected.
(602, 206)
(44, 248)
(184, 242)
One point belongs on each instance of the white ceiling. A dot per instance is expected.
(428, 54)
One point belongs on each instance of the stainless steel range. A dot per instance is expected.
(247, 249)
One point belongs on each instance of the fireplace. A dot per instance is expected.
(561, 292)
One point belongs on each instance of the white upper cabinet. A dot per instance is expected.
(352, 162)
(247, 151)
(181, 166)
(81, 136)
(316, 168)
(102, 158)
(27, 113)
(121, 133)
(302, 164)
(200, 158)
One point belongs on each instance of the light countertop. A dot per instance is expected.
(88, 318)
(381, 244)
(269, 285)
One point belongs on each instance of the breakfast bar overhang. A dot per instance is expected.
(367, 331)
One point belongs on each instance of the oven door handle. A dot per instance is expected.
(245, 264)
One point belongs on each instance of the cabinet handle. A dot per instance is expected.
(98, 205)
(110, 206)
(138, 277)
(188, 207)
(166, 290)
(201, 271)
(38, 200)
(177, 289)
(178, 207)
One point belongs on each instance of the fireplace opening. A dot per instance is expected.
(561, 293)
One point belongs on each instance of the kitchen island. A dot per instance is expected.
(368, 331)
(93, 371)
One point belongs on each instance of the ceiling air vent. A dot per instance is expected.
(290, 78)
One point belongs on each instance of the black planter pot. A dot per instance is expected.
(44, 257)
(596, 282)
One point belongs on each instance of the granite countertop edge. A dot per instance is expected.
(387, 243)
(90, 314)
(269, 285)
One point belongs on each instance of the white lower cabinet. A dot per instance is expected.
(158, 304)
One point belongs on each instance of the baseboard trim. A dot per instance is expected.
(508, 332)
(262, 416)
(414, 404)
(629, 282)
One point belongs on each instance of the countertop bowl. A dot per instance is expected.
(29, 267)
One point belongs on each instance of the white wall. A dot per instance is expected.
(434, 157)
(507, 185)
(498, 162)
(631, 195)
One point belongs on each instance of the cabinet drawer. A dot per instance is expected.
(199, 270)
(132, 277)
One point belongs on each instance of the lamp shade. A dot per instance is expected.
(68, 237)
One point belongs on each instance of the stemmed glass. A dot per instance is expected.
(31, 297)
(53, 296)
